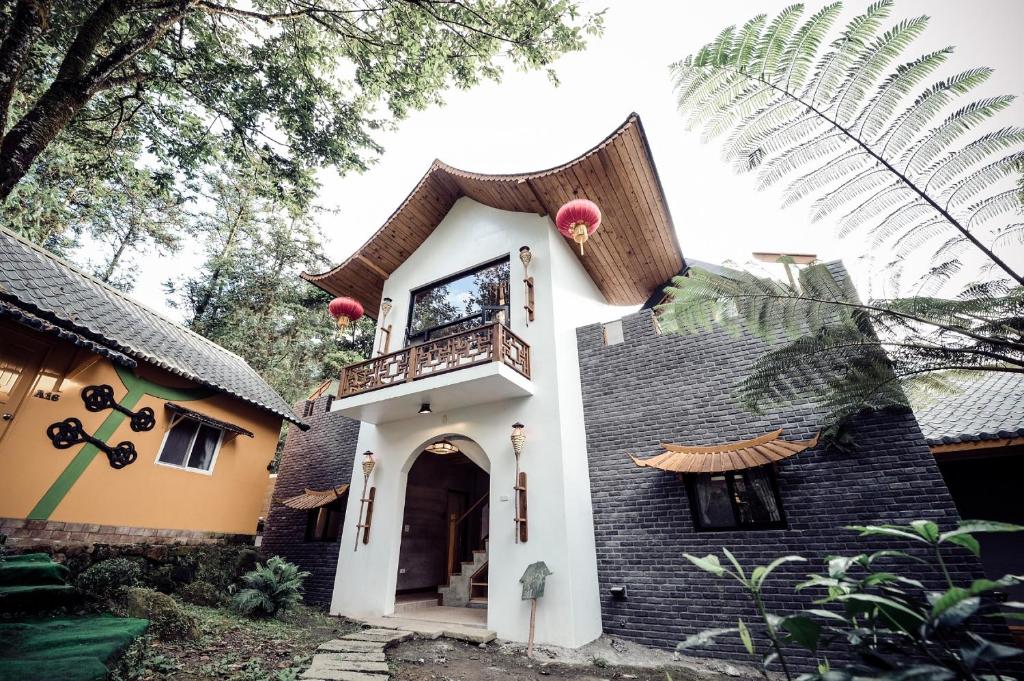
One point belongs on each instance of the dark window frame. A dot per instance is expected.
(738, 526)
(425, 335)
(337, 506)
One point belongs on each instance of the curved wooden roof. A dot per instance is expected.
(634, 252)
(312, 498)
(731, 456)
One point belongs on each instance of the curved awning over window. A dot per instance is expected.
(731, 456)
(312, 498)
(229, 428)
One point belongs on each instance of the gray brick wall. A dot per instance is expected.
(669, 388)
(320, 458)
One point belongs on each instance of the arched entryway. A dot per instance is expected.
(443, 557)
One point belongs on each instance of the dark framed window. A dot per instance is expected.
(747, 499)
(326, 522)
(191, 445)
(460, 302)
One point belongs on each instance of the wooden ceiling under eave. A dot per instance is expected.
(634, 252)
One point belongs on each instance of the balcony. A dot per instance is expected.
(484, 364)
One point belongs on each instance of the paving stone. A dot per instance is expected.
(379, 635)
(348, 666)
(339, 645)
(351, 656)
(338, 675)
(470, 635)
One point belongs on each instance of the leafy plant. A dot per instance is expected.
(167, 619)
(891, 626)
(104, 580)
(201, 593)
(859, 131)
(270, 589)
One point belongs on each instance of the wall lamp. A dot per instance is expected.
(619, 593)
(425, 408)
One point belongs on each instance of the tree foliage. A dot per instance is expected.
(122, 106)
(903, 163)
(247, 295)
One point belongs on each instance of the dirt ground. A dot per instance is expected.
(447, 660)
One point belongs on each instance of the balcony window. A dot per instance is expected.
(464, 301)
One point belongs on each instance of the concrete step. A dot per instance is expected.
(480, 603)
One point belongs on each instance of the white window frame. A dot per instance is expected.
(178, 418)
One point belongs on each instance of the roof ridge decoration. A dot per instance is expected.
(729, 456)
(637, 251)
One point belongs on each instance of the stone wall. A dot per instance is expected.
(320, 458)
(22, 534)
(655, 388)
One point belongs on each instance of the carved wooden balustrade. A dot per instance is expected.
(491, 343)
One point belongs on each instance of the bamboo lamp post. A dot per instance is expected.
(518, 441)
(366, 501)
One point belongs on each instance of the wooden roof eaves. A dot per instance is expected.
(447, 177)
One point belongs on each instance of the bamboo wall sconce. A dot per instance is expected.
(366, 501)
(526, 257)
(518, 440)
(385, 331)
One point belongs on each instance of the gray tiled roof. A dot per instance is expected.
(989, 408)
(46, 286)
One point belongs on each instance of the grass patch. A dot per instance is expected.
(230, 646)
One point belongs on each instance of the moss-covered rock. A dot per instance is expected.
(202, 593)
(167, 619)
(104, 580)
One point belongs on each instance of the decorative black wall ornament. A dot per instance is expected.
(70, 432)
(100, 397)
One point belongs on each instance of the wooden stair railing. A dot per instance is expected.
(453, 532)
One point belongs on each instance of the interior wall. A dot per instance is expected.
(422, 559)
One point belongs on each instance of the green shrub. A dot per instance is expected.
(167, 620)
(106, 579)
(270, 589)
(201, 593)
(894, 627)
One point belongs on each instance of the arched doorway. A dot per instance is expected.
(443, 557)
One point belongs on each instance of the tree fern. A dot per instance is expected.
(842, 114)
(827, 344)
(270, 589)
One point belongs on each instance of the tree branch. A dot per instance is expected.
(27, 24)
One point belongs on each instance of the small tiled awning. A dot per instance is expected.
(732, 456)
(312, 498)
(207, 420)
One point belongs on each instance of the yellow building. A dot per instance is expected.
(117, 425)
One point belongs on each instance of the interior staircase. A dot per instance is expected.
(467, 587)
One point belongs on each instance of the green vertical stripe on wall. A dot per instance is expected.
(137, 387)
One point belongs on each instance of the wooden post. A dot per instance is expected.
(410, 372)
(533, 626)
(369, 515)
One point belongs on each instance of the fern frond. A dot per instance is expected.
(827, 143)
(943, 171)
(1010, 234)
(898, 221)
(800, 53)
(926, 106)
(968, 189)
(879, 109)
(871, 179)
(829, 72)
(776, 116)
(879, 203)
(872, 62)
(772, 42)
(923, 152)
(836, 169)
(1007, 202)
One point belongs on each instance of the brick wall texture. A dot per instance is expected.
(23, 534)
(320, 458)
(656, 388)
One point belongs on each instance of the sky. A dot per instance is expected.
(527, 123)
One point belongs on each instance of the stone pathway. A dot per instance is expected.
(358, 656)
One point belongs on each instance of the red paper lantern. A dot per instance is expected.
(345, 310)
(578, 219)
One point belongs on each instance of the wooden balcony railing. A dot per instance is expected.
(490, 343)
